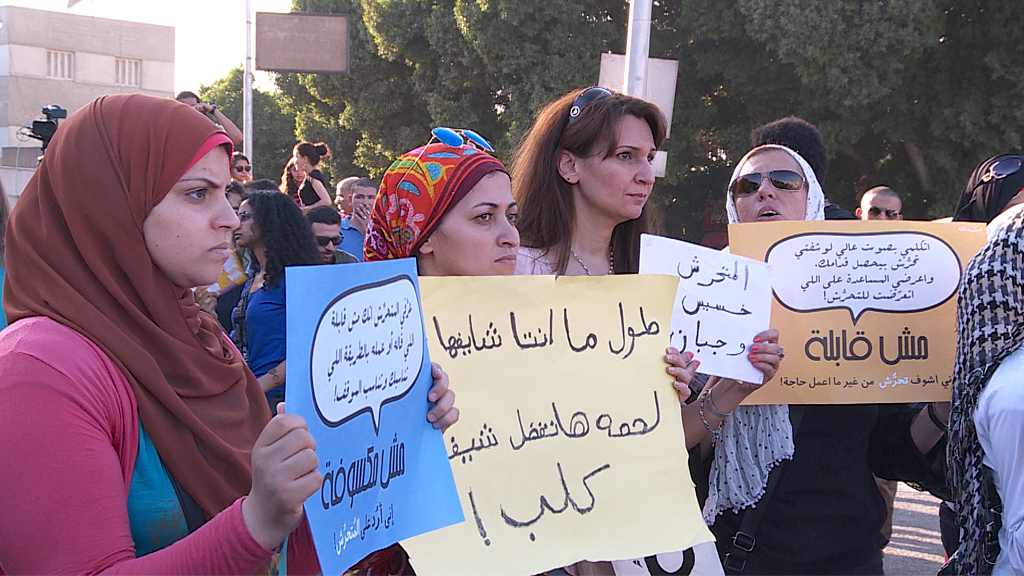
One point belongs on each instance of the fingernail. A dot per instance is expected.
(751, 356)
(689, 356)
(757, 338)
(431, 417)
(697, 365)
(755, 347)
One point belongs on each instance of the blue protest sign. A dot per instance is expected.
(359, 373)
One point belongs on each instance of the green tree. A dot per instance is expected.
(273, 127)
(909, 93)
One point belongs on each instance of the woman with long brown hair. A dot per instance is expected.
(582, 176)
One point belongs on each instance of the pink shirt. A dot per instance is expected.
(68, 444)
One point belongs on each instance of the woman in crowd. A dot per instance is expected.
(462, 224)
(992, 195)
(986, 470)
(291, 178)
(582, 176)
(135, 439)
(790, 488)
(241, 168)
(313, 188)
(275, 233)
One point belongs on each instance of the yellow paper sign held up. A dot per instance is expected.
(866, 311)
(570, 443)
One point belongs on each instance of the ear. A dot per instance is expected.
(567, 167)
(426, 247)
(859, 213)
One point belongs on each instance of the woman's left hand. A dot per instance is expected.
(766, 354)
(444, 413)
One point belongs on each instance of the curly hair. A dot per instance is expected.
(287, 236)
(798, 135)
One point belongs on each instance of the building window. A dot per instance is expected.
(60, 65)
(127, 72)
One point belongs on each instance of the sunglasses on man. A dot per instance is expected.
(325, 240)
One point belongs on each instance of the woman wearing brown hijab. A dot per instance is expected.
(131, 426)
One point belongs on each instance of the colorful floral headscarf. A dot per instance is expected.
(417, 191)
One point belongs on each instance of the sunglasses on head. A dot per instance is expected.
(788, 180)
(1001, 169)
(325, 240)
(585, 98)
(454, 137)
(241, 168)
(875, 212)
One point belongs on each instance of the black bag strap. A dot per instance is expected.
(194, 515)
(743, 541)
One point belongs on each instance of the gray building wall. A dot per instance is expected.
(26, 36)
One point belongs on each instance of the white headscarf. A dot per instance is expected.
(757, 438)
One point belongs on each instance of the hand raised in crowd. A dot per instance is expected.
(284, 475)
(444, 413)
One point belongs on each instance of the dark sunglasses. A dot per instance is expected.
(788, 180)
(243, 168)
(875, 212)
(325, 240)
(1001, 169)
(585, 98)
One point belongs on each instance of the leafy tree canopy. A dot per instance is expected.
(908, 93)
(273, 127)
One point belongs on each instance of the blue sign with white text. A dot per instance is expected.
(359, 373)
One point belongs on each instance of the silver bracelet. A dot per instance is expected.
(711, 405)
(716, 433)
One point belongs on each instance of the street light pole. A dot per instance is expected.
(247, 86)
(638, 46)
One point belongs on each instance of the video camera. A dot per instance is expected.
(44, 129)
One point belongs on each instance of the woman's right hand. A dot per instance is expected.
(284, 474)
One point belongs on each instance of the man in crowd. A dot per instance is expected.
(880, 203)
(223, 121)
(343, 193)
(353, 226)
(326, 224)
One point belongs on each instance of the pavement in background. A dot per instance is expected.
(915, 548)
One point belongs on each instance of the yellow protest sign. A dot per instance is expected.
(866, 311)
(570, 443)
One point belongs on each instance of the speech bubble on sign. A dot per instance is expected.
(366, 351)
(883, 271)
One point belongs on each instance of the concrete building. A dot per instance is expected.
(68, 60)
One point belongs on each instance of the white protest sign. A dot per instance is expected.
(360, 329)
(722, 302)
(886, 272)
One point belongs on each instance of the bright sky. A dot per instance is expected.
(210, 34)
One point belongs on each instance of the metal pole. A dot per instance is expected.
(638, 46)
(247, 86)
